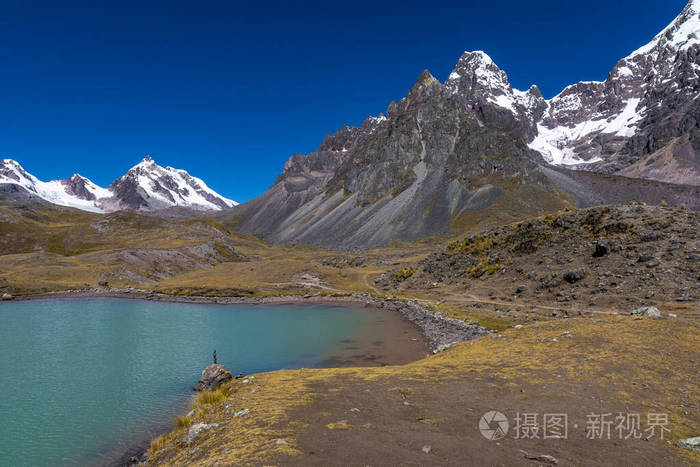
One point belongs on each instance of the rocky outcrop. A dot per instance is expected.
(648, 311)
(212, 377)
(80, 187)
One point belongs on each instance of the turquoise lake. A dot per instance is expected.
(84, 380)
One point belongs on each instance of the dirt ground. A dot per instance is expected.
(392, 415)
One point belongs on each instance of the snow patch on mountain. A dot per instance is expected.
(624, 123)
(553, 143)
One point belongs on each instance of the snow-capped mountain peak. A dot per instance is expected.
(77, 191)
(645, 114)
(146, 186)
(476, 72)
(479, 81)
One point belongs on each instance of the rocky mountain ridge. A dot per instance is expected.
(474, 150)
(145, 187)
(642, 121)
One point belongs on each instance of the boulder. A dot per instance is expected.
(649, 311)
(196, 429)
(521, 289)
(574, 276)
(212, 377)
(690, 443)
(602, 247)
(103, 283)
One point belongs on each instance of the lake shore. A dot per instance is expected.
(436, 329)
(433, 329)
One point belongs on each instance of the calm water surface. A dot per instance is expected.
(83, 380)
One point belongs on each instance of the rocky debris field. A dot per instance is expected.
(619, 257)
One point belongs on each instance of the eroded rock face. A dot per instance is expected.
(212, 377)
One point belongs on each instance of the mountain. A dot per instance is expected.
(145, 187)
(642, 121)
(148, 186)
(77, 191)
(474, 151)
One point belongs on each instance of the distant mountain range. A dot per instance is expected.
(460, 154)
(474, 150)
(145, 187)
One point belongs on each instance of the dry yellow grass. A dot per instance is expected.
(640, 363)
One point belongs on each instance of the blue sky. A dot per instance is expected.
(230, 90)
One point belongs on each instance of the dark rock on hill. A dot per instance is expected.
(78, 187)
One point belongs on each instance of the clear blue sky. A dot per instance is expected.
(229, 90)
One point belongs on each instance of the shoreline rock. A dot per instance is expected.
(213, 376)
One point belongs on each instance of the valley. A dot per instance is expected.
(462, 272)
